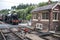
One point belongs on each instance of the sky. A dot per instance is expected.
(6, 4)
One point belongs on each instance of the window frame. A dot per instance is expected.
(45, 15)
(56, 16)
(35, 16)
(48, 19)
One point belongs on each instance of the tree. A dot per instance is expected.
(29, 16)
(13, 7)
(23, 13)
(42, 4)
(24, 6)
(20, 13)
(45, 3)
(4, 11)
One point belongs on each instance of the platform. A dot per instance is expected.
(34, 37)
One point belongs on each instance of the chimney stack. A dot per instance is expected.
(49, 1)
(58, 0)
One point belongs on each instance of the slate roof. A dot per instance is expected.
(44, 7)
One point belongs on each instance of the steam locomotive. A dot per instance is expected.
(11, 18)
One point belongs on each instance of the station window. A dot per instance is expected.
(35, 16)
(45, 15)
(55, 16)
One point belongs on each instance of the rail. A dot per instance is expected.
(51, 37)
(17, 35)
(20, 37)
(2, 35)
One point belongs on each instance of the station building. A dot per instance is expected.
(47, 16)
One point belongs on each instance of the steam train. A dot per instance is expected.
(11, 18)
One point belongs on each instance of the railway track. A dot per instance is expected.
(2, 36)
(50, 38)
(17, 35)
(11, 36)
(47, 36)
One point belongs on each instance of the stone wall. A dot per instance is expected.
(46, 25)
